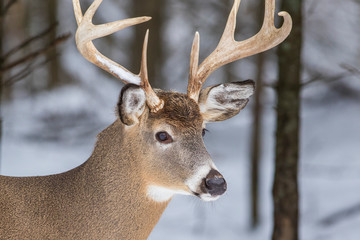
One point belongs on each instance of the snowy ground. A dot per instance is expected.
(329, 173)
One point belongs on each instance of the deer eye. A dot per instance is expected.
(163, 137)
(204, 131)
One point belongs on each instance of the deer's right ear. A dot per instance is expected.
(131, 104)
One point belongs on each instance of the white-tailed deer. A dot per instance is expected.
(152, 151)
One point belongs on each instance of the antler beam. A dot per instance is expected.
(229, 50)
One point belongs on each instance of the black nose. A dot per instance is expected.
(215, 183)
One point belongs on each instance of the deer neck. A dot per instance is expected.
(115, 168)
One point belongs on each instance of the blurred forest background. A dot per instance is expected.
(53, 103)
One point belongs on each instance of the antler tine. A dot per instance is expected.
(229, 50)
(87, 32)
(152, 100)
(194, 64)
(77, 11)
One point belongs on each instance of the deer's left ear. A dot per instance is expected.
(223, 101)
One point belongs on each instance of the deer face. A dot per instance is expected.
(171, 139)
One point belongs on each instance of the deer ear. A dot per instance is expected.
(223, 101)
(131, 104)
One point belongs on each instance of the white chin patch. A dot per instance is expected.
(208, 198)
(162, 194)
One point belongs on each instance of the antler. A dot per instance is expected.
(87, 32)
(229, 50)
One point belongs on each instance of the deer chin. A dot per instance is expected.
(207, 197)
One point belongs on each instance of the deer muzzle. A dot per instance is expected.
(214, 183)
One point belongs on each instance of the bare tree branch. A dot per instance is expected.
(27, 71)
(317, 77)
(341, 215)
(7, 7)
(350, 68)
(29, 41)
(35, 54)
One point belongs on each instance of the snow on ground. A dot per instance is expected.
(329, 168)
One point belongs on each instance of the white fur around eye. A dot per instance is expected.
(164, 128)
(162, 146)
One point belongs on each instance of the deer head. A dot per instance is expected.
(164, 129)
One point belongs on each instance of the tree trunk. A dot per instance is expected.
(1, 75)
(256, 134)
(53, 66)
(155, 9)
(285, 188)
(256, 142)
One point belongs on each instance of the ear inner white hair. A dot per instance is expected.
(224, 101)
(133, 105)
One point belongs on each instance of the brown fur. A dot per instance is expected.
(179, 108)
(104, 198)
(182, 115)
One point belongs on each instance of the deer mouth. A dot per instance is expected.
(207, 197)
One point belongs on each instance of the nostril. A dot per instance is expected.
(216, 185)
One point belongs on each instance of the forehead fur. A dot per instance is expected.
(179, 109)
